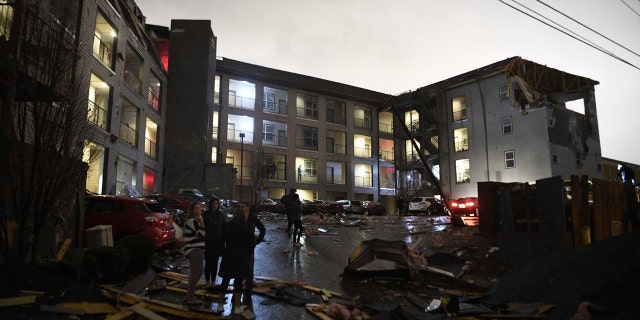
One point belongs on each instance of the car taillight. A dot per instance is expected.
(454, 204)
(470, 204)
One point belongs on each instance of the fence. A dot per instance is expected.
(550, 216)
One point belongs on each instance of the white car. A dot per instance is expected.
(421, 204)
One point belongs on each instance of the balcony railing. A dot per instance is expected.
(362, 123)
(272, 107)
(337, 148)
(128, 134)
(150, 148)
(241, 102)
(153, 100)
(97, 115)
(104, 52)
(278, 141)
(385, 127)
(132, 81)
(362, 181)
(386, 155)
(362, 152)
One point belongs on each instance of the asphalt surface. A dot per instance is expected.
(319, 261)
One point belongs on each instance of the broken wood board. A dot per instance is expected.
(16, 301)
(318, 310)
(89, 307)
(124, 314)
(141, 309)
(63, 249)
(162, 306)
(59, 309)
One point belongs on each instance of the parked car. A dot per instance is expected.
(192, 194)
(465, 207)
(438, 208)
(351, 206)
(176, 204)
(270, 205)
(373, 208)
(421, 204)
(331, 207)
(130, 215)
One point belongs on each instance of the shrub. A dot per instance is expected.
(105, 264)
(140, 251)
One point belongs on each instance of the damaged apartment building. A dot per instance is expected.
(511, 121)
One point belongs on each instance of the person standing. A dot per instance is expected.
(237, 260)
(254, 222)
(194, 236)
(286, 200)
(296, 217)
(400, 206)
(214, 221)
(300, 173)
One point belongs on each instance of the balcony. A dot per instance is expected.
(102, 51)
(97, 115)
(337, 148)
(128, 134)
(241, 102)
(278, 108)
(153, 100)
(362, 123)
(362, 181)
(134, 83)
(150, 148)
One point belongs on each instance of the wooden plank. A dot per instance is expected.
(59, 309)
(15, 301)
(90, 307)
(63, 249)
(124, 314)
(141, 310)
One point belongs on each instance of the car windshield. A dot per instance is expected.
(416, 200)
(356, 203)
(155, 207)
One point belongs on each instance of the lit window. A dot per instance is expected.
(463, 174)
(459, 107)
(461, 139)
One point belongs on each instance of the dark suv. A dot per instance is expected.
(129, 215)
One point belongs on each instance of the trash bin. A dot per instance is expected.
(100, 236)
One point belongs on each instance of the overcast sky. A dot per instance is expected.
(396, 46)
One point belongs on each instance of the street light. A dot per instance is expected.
(241, 156)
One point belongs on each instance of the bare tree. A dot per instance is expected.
(260, 172)
(43, 120)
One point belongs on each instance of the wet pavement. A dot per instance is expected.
(319, 261)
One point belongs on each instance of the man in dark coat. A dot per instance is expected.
(287, 201)
(214, 221)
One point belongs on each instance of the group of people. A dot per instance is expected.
(210, 239)
(293, 207)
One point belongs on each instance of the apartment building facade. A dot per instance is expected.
(125, 93)
(317, 136)
(505, 122)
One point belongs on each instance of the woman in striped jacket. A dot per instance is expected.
(194, 236)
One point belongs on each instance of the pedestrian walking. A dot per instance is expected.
(214, 221)
(286, 200)
(194, 236)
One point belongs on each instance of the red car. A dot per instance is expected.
(373, 208)
(129, 215)
(465, 207)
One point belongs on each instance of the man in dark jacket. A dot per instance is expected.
(287, 201)
(252, 218)
(214, 221)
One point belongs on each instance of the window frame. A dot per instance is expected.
(508, 159)
(505, 126)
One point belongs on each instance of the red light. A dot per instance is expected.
(470, 203)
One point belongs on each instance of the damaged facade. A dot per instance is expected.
(505, 122)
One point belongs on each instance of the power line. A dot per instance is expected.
(628, 6)
(580, 23)
(572, 36)
(561, 26)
